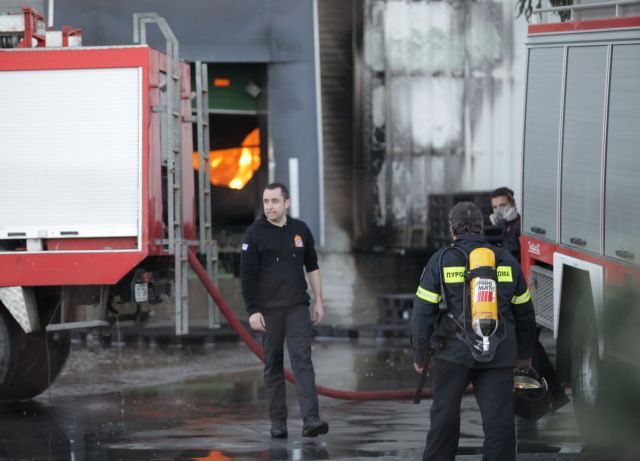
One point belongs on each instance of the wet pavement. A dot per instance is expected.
(206, 402)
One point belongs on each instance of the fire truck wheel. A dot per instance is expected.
(604, 392)
(586, 371)
(28, 362)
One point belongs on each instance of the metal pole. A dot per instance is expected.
(50, 10)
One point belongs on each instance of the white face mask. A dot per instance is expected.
(503, 214)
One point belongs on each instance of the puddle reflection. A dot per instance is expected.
(209, 404)
(32, 431)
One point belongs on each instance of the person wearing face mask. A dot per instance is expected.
(506, 214)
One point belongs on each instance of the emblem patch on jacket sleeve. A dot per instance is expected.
(297, 241)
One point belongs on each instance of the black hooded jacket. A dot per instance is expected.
(272, 263)
(511, 237)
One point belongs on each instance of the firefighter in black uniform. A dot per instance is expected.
(440, 340)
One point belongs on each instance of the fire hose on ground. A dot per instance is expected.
(398, 394)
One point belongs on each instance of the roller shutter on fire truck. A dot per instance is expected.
(87, 124)
(569, 93)
(622, 185)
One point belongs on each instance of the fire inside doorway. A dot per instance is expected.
(238, 142)
(238, 155)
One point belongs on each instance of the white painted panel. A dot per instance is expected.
(70, 150)
(294, 187)
(596, 278)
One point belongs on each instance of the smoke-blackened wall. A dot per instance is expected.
(436, 95)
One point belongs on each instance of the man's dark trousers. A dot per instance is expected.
(294, 324)
(493, 389)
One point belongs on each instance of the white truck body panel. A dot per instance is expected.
(80, 131)
(596, 279)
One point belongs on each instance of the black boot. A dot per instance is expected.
(314, 426)
(279, 429)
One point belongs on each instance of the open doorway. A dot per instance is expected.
(238, 133)
(238, 141)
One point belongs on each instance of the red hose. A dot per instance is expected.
(400, 394)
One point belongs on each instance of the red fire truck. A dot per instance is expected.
(581, 213)
(97, 193)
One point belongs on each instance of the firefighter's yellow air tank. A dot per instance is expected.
(484, 297)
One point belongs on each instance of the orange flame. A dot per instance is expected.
(233, 168)
(214, 455)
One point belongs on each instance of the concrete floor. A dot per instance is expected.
(206, 402)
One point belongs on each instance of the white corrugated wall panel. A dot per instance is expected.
(70, 152)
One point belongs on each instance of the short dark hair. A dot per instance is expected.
(503, 192)
(465, 218)
(279, 185)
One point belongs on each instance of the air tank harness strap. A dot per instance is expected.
(485, 272)
(443, 307)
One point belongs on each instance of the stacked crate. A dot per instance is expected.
(394, 311)
(439, 206)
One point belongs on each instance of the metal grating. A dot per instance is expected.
(542, 295)
(610, 9)
(581, 10)
(394, 311)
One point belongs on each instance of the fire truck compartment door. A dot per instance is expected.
(70, 162)
(541, 131)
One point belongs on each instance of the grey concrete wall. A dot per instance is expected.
(336, 68)
(340, 274)
(38, 5)
(214, 31)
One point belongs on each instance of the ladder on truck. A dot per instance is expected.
(208, 247)
(171, 142)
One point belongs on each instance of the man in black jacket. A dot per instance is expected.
(455, 363)
(275, 252)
